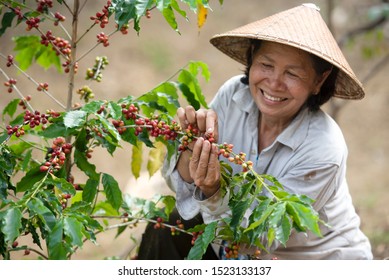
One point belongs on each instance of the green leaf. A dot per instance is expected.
(61, 184)
(29, 49)
(37, 207)
(170, 203)
(112, 191)
(11, 107)
(75, 119)
(73, 229)
(55, 246)
(265, 215)
(136, 159)
(124, 11)
(284, 230)
(90, 190)
(194, 66)
(55, 130)
(115, 110)
(305, 217)
(10, 223)
(170, 18)
(6, 22)
(202, 242)
(190, 97)
(33, 176)
(189, 79)
(156, 158)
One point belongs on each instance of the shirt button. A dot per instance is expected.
(253, 152)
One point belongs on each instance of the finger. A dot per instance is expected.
(182, 117)
(196, 152)
(201, 116)
(190, 114)
(212, 124)
(203, 162)
(213, 172)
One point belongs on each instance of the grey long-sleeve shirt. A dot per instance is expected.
(308, 157)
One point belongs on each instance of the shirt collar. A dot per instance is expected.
(292, 136)
(296, 132)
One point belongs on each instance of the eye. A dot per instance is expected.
(292, 74)
(266, 65)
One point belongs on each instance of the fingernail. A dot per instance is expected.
(209, 130)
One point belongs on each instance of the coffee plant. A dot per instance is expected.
(42, 149)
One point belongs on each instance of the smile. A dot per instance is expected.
(272, 98)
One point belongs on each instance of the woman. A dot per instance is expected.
(272, 113)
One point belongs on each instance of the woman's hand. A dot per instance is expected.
(202, 165)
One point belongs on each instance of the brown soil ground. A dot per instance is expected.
(138, 63)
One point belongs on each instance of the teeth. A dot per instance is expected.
(273, 98)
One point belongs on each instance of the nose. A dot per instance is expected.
(276, 81)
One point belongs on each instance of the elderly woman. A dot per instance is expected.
(272, 113)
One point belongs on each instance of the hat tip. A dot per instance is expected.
(312, 6)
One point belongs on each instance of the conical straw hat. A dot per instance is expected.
(301, 27)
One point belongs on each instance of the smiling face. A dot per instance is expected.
(281, 79)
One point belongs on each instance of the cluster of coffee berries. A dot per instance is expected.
(159, 223)
(22, 103)
(119, 125)
(32, 119)
(56, 155)
(43, 87)
(130, 111)
(44, 5)
(10, 60)
(63, 199)
(66, 65)
(174, 231)
(18, 130)
(17, 11)
(190, 134)
(102, 38)
(124, 28)
(85, 93)
(157, 127)
(232, 251)
(32, 22)
(102, 17)
(60, 45)
(195, 235)
(225, 150)
(10, 84)
(95, 72)
(58, 18)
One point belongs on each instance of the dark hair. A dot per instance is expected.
(320, 65)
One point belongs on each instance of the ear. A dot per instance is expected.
(321, 79)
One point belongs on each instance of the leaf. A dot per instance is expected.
(284, 230)
(61, 184)
(305, 217)
(115, 110)
(189, 79)
(90, 190)
(170, 203)
(190, 97)
(56, 129)
(33, 176)
(156, 158)
(6, 22)
(37, 207)
(10, 223)
(11, 107)
(29, 49)
(202, 242)
(201, 15)
(55, 247)
(265, 215)
(170, 18)
(73, 229)
(112, 190)
(194, 66)
(136, 159)
(75, 119)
